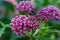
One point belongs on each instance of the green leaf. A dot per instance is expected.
(19, 37)
(45, 2)
(18, 0)
(4, 25)
(36, 32)
(7, 34)
(8, 5)
(14, 36)
(54, 24)
(53, 30)
(44, 30)
(38, 4)
(58, 38)
(46, 38)
(52, 37)
(2, 31)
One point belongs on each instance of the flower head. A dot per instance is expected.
(32, 22)
(26, 6)
(49, 12)
(18, 24)
(22, 24)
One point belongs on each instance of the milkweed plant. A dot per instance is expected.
(29, 25)
(35, 27)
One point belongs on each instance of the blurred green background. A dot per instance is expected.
(7, 12)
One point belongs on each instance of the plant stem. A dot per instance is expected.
(31, 37)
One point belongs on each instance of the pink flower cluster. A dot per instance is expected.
(33, 23)
(26, 6)
(49, 12)
(21, 24)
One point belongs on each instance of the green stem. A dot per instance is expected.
(24, 13)
(41, 37)
(31, 38)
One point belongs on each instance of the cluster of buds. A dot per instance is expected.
(21, 24)
(32, 22)
(49, 12)
(26, 6)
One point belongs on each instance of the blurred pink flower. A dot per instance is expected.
(49, 12)
(22, 24)
(26, 6)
